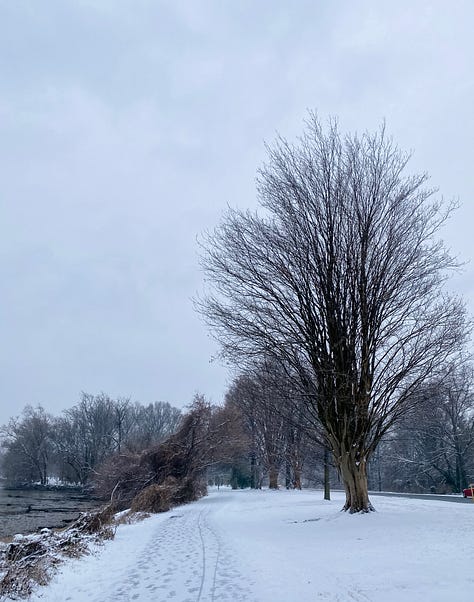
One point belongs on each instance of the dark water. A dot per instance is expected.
(27, 511)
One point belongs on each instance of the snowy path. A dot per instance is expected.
(186, 560)
(264, 546)
(179, 555)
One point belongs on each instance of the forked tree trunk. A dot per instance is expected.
(354, 477)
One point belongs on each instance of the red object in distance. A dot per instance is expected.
(468, 491)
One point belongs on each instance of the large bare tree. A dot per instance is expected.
(339, 278)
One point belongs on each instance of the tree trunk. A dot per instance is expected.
(461, 474)
(327, 488)
(297, 478)
(354, 477)
(253, 471)
(273, 477)
(379, 474)
(288, 483)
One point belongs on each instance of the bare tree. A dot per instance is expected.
(256, 400)
(275, 423)
(88, 433)
(152, 423)
(232, 452)
(340, 277)
(28, 446)
(456, 428)
(433, 445)
(123, 421)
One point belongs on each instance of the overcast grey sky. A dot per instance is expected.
(127, 127)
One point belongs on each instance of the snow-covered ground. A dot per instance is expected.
(280, 546)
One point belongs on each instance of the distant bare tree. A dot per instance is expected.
(231, 448)
(123, 421)
(339, 278)
(456, 429)
(275, 423)
(152, 423)
(433, 445)
(266, 426)
(85, 436)
(70, 447)
(27, 441)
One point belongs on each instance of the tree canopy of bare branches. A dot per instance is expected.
(340, 278)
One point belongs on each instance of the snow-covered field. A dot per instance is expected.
(280, 546)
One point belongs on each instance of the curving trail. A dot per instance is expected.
(181, 555)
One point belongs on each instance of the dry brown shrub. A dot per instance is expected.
(189, 490)
(167, 474)
(91, 523)
(120, 478)
(20, 580)
(30, 560)
(73, 547)
(154, 498)
(24, 548)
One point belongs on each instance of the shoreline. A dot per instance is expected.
(28, 510)
(38, 487)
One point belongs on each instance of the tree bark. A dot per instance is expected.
(297, 478)
(354, 477)
(253, 472)
(273, 477)
(327, 488)
(288, 483)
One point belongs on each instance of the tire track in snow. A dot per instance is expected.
(224, 581)
(203, 547)
(208, 543)
(214, 576)
(211, 554)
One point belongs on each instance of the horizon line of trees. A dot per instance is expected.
(260, 435)
(38, 446)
